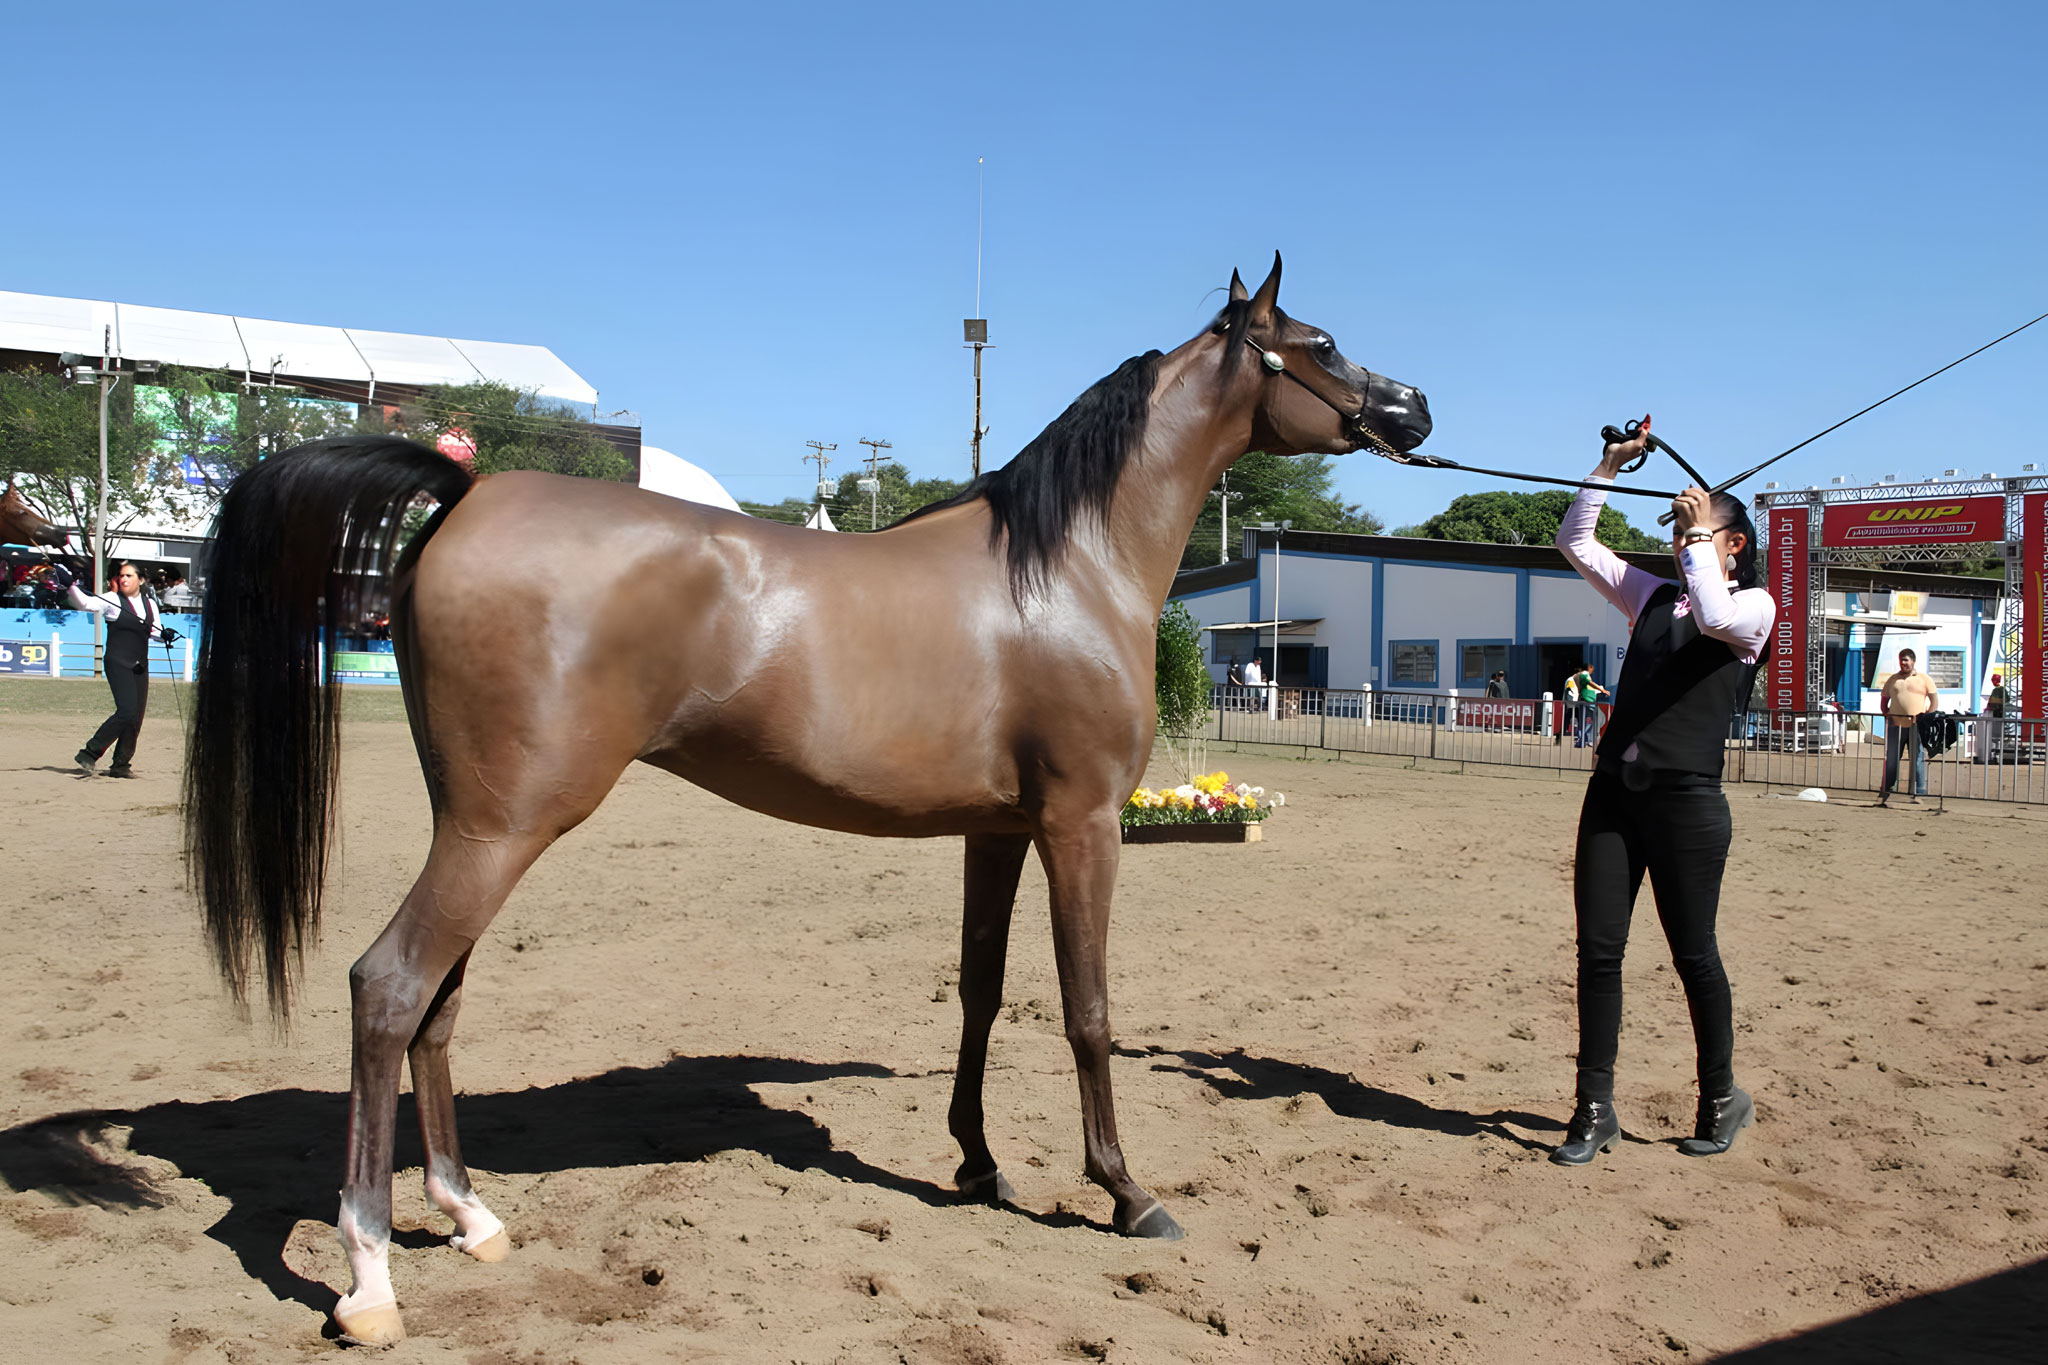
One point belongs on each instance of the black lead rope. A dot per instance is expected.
(1276, 364)
(1439, 462)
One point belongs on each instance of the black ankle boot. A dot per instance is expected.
(1719, 1121)
(1594, 1128)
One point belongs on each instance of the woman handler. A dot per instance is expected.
(1654, 802)
(131, 624)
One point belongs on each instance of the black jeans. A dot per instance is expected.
(1678, 832)
(131, 699)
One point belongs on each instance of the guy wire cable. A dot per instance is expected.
(1758, 469)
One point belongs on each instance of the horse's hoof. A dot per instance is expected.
(377, 1326)
(991, 1188)
(1155, 1222)
(490, 1250)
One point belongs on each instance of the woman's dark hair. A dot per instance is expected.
(1732, 515)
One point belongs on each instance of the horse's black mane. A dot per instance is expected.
(1071, 469)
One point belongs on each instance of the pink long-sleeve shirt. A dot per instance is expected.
(1741, 618)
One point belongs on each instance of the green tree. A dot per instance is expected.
(49, 444)
(794, 511)
(1503, 518)
(512, 428)
(1296, 488)
(898, 496)
(225, 430)
(1182, 683)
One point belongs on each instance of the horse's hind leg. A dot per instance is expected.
(994, 862)
(392, 988)
(477, 1230)
(1080, 853)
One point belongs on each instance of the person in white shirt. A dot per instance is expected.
(1654, 803)
(132, 623)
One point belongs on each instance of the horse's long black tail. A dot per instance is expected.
(303, 547)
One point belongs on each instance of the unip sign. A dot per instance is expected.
(1954, 521)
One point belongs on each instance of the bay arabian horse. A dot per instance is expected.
(984, 668)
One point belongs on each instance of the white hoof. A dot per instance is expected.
(490, 1250)
(375, 1325)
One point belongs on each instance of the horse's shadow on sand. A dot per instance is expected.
(277, 1156)
(1238, 1075)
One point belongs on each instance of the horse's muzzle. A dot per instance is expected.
(1396, 412)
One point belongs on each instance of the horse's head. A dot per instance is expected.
(21, 524)
(1332, 406)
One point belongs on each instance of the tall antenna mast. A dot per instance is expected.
(977, 327)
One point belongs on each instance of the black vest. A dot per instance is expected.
(128, 637)
(1677, 690)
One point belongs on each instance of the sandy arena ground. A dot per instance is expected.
(705, 1058)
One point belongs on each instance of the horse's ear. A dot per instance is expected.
(1268, 297)
(1238, 293)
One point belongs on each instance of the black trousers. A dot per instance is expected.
(131, 699)
(1678, 832)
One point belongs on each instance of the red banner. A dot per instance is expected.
(2030, 690)
(1785, 655)
(1953, 521)
(1493, 713)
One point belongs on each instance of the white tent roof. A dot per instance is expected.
(820, 520)
(297, 350)
(662, 471)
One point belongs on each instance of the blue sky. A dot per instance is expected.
(756, 225)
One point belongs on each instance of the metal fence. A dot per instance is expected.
(1983, 759)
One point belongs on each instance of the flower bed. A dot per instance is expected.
(1209, 809)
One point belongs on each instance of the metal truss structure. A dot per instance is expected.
(1819, 557)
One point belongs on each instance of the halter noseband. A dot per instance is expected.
(1355, 425)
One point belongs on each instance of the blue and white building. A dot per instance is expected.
(1406, 614)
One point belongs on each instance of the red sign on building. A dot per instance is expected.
(1954, 521)
(1495, 714)
(1785, 655)
(2030, 696)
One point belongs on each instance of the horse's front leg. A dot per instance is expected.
(1080, 853)
(994, 862)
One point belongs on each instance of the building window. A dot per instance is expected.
(1945, 667)
(1479, 660)
(1231, 646)
(1414, 662)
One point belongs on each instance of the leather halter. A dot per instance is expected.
(1355, 425)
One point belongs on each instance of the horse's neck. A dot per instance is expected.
(1190, 439)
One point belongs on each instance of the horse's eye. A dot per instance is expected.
(1324, 345)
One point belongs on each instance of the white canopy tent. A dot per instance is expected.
(292, 351)
(665, 472)
(820, 520)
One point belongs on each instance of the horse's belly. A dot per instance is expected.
(892, 799)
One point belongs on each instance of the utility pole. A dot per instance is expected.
(872, 484)
(1221, 492)
(977, 327)
(818, 449)
(107, 373)
(977, 338)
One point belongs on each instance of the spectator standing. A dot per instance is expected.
(1585, 694)
(1908, 694)
(1497, 686)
